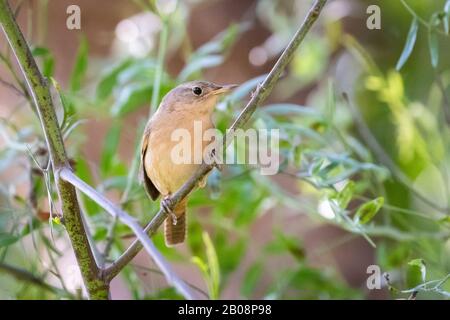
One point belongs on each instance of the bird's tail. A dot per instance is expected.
(176, 233)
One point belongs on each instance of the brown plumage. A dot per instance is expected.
(189, 102)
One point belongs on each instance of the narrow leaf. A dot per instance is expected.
(110, 79)
(447, 17)
(131, 97)
(409, 46)
(368, 210)
(433, 44)
(7, 239)
(345, 196)
(199, 64)
(80, 66)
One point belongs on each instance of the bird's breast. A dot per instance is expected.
(174, 148)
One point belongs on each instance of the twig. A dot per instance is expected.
(258, 97)
(420, 19)
(38, 87)
(131, 222)
(12, 87)
(199, 290)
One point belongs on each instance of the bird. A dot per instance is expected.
(180, 108)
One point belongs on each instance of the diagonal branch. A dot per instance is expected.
(258, 97)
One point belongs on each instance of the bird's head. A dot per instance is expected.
(195, 96)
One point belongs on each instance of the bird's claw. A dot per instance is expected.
(215, 161)
(166, 204)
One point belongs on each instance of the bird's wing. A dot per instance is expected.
(143, 177)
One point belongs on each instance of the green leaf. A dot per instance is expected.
(345, 196)
(138, 71)
(68, 106)
(368, 210)
(80, 66)
(286, 109)
(251, 279)
(131, 97)
(445, 221)
(7, 239)
(198, 64)
(331, 101)
(83, 171)
(100, 234)
(164, 294)
(433, 44)
(241, 92)
(361, 54)
(110, 148)
(447, 17)
(109, 79)
(30, 227)
(416, 273)
(410, 43)
(200, 264)
(220, 42)
(48, 61)
(209, 269)
(213, 266)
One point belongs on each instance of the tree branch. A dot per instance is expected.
(131, 222)
(96, 286)
(258, 97)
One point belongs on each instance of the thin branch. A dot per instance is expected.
(38, 87)
(420, 19)
(11, 86)
(109, 241)
(258, 97)
(199, 290)
(131, 222)
(28, 277)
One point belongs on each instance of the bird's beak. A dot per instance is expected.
(224, 89)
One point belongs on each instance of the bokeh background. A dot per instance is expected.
(365, 163)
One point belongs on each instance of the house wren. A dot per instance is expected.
(181, 108)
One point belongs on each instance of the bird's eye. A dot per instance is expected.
(197, 91)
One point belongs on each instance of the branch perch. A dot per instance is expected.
(261, 93)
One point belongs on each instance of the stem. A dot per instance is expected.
(159, 65)
(258, 97)
(420, 19)
(97, 287)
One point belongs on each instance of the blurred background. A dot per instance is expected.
(364, 119)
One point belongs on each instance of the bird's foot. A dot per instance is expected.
(166, 203)
(215, 161)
